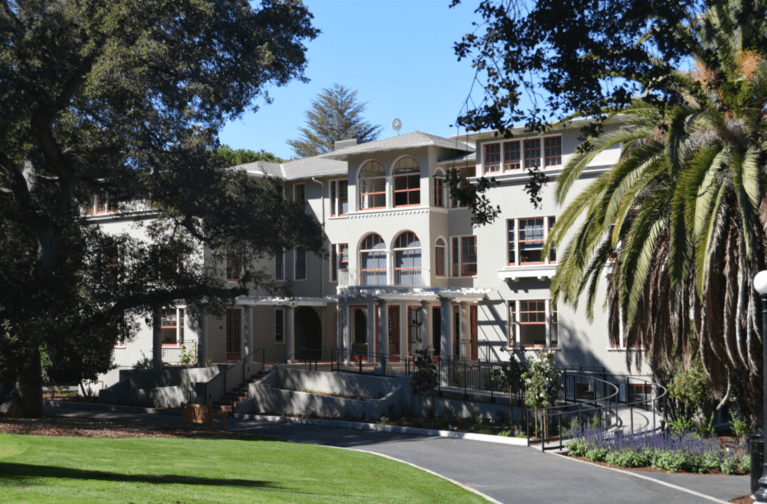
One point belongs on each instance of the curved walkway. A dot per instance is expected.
(506, 473)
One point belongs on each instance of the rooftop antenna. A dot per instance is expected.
(396, 124)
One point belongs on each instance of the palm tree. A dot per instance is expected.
(680, 220)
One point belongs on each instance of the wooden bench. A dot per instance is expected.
(200, 414)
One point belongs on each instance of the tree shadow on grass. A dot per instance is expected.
(27, 474)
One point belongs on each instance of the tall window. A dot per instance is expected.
(172, 327)
(279, 327)
(464, 255)
(233, 268)
(407, 182)
(492, 158)
(407, 259)
(372, 186)
(528, 324)
(299, 193)
(339, 198)
(439, 189)
(552, 151)
(439, 257)
(300, 270)
(279, 266)
(512, 156)
(465, 172)
(525, 239)
(339, 253)
(373, 260)
(532, 153)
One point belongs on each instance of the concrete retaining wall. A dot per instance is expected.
(167, 388)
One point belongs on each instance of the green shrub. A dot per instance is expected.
(577, 447)
(485, 431)
(670, 461)
(739, 425)
(681, 424)
(627, 458)
(596, 454)
(505, 433)
(729, 465)
(476, 414)
(385, 420)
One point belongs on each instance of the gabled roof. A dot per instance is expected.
(315, 166)
(409, 141)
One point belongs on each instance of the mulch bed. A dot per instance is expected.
(91, 427)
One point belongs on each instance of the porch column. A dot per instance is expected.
(426, 326)
(465, 332)
(371, 330)
(247, 332)
(383, 327)
(157, 339)
(339, 324)
(290, 334)
(404, 329)
(445, 344)
(202, 336)
(347, 343)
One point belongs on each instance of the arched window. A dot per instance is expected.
(439, 257)
(407, 259)
(439, 189)
(372, 186)
(373, 260)
(407, 182)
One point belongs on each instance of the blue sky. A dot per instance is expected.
(398, 54)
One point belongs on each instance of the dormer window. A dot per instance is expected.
(407, 182)
(372, 186)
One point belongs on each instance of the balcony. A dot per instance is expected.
(402, 277)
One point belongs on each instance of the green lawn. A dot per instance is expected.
(40, 469)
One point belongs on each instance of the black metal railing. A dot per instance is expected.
(596, 399)
(219, 385)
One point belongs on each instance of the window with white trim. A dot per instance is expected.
(407, 182)
(300, 264)
(339, 198)
(464, 256)
(466, 172)
(525, 239)
(172, 327)
(439, 189)
(233, 268)
(373, 260)
(339, 259)
(372, 186)
(513, 155)
(100, 203)
(279, 266)
(407, 259)
(533, 324)
(439, 257)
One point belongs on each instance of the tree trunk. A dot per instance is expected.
(25, 398)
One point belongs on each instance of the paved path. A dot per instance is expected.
(508, 474)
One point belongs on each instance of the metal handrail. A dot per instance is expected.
(608, 401)
(237, 365)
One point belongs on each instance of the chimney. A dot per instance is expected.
(342, 144)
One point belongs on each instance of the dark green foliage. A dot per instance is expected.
(335, 115)
(225, 156)
(125, 98)
(425, 377)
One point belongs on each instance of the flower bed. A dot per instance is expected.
(665, 451)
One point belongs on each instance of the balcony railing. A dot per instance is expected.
(404, 277)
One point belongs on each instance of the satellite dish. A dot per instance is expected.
(396, 124)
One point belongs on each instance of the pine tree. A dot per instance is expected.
(335, 115)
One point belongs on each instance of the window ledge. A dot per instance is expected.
(516, 273)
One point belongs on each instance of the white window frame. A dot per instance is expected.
(335, 252)
(295, 266)
(546, 229)
(460, 256)
(522, 157)
(514, 326)
(180, 315)
(335, 201)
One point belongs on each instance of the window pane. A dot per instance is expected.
(512, 242)
(552, 151)
(511, 156)
(533, 153)
(492, 157)
(531, 241)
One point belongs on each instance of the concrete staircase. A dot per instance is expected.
(228, 403)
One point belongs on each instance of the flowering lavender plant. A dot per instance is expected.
(684, 451)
